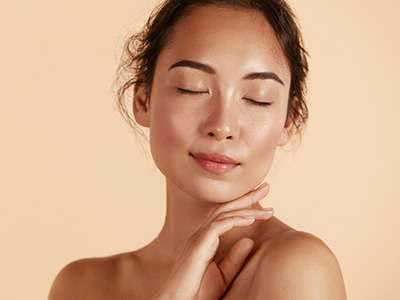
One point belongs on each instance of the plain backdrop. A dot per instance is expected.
(75, 183)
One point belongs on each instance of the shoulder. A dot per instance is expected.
(86, 278)
(298, 265)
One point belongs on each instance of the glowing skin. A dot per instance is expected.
(216, 112)
(221, 116)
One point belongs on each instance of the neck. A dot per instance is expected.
(185, 215)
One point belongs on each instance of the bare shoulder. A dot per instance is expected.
(91, 278)
(298, 265)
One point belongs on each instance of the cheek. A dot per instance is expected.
(169, 131)
(163, 126)
(264, 141)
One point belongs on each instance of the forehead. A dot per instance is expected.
(227, 36)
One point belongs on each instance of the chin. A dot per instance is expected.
(220, 191)
(211, 189)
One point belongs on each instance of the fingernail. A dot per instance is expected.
(262, 186)
(268, 209)
(249, 220)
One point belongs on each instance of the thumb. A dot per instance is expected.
(234, 260)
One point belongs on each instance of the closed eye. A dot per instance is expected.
(190, 92)
(257, 102)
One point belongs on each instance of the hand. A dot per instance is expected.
(196, 275)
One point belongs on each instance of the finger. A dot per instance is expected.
(242, 202)
(234, 260)
(248, 199)
(208, 243)
(258, 214)
(219, 227)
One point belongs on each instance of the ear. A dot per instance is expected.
(287, 132)
(141, 105)
(290, 126)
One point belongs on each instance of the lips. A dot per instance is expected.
(215, 162)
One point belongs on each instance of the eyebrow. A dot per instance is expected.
(194, 65)
(211, 70)
(263, 75)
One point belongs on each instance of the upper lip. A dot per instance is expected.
(215, 157)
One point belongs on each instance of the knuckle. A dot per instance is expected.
(234, 261)
(223, 209)
(222, 215)
(213, 224)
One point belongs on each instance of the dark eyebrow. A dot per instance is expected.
(210, 70)
(194, 65)
(263, 75)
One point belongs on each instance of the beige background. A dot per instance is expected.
(74, 183)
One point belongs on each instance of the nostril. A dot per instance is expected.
(212, 134)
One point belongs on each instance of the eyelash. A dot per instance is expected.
(258, 103)
(189, 92)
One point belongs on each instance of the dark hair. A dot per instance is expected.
(142, 50)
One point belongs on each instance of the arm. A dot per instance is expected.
(298, 266)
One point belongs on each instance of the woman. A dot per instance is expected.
(220, 85)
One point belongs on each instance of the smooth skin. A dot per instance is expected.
(217, 241)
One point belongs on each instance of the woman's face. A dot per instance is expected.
(218, 103)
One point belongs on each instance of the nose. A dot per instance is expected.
(222, 120)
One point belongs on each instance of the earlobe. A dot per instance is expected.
(290, 124)
(286, 133)
(141, 108)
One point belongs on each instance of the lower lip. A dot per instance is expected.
(215, 167)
